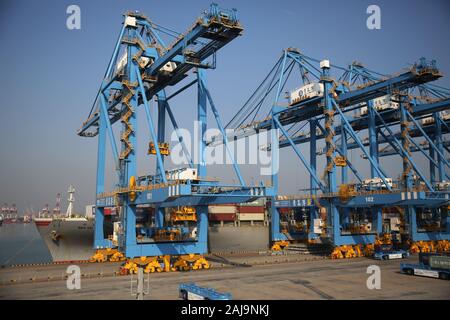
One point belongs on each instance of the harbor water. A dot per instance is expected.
(20, 243)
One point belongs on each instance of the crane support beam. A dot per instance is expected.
(391, 151)
(209, 33)
(367, 199)
(391, 117)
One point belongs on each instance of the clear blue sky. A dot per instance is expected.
(49, 74)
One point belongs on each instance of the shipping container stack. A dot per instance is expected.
(222, 214)
(252, 212)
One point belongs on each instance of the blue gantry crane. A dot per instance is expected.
(400, 114)
(140, 70)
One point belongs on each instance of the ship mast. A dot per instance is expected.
(13, 210)
(71, 200)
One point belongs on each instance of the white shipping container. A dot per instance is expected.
(182, 174)
(382, 104)
(318, 223)
(122, 62)
(377, 183)
(90, 211)
(445, 115)
(222, 209)
(308, 91)
(380, 101)
(395, 224)
(251, 216)
(430, 120)
(364, 111)
(427, 120)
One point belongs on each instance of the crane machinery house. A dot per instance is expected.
(306, 92)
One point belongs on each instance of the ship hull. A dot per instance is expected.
(235, 239)
(68, 240)
(73, 240)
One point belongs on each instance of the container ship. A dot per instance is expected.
(69, 236)
(232, 228)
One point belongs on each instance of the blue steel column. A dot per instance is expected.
(129, 167)
(333, 214)
(159, 212)
(344, 151)
(407, 177)
(99, 237)
(432, 165)
(404, 124)
(159, 217)
(202, 211)
(202, 225)
(312, 182)
(275, 234)
(441, 170)
(344, 171)
(274, 152)
(202, 121)
(161, 121)
(439, 145)
(377, 214)
(275, 214)
(373, 139)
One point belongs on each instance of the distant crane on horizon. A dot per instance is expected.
(13, 210)
(5, 208)
(57, 208)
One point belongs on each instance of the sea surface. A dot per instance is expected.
(21, 243)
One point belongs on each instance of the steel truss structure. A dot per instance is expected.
(141, 68)
(338, 115)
